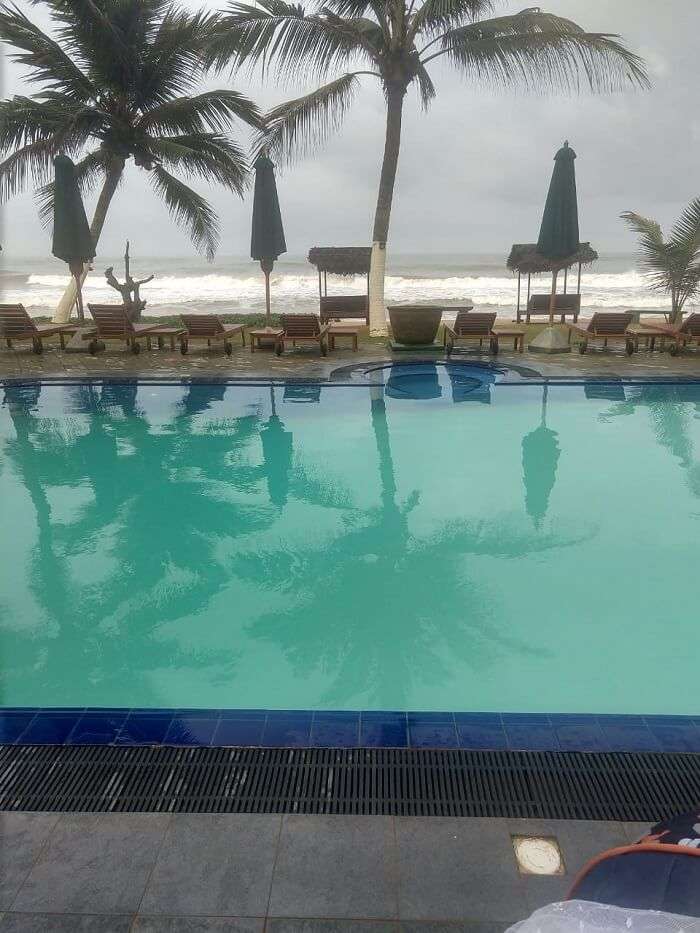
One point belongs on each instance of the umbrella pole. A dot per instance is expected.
(553, 298)
(77, 274)
(268, 319)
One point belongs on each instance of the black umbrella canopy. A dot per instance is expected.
(72, 240)
(559, 231)
(267, 237)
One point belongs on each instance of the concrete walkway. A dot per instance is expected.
(287, 874)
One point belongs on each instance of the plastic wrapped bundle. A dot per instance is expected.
(587, 917)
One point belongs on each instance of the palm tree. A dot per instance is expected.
(118, 81)
(395, 41)
(672, 265)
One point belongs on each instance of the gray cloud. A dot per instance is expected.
(474, 170)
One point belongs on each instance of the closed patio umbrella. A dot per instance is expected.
(559, 235)
(72, 240)
(267, 238)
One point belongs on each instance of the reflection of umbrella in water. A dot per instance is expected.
(540, 458)
(277, 445)
(72, 240)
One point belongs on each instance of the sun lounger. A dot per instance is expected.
(687, 333)
(113, 323)
(16, 324)
(302, 328)
(469, 325)
(567, 305)
(211, 328)
(338, 307)
(606, 327)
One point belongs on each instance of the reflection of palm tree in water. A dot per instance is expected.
(157, 559)
(671, 416)
(540, 458)
(382, 611)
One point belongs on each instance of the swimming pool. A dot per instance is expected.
(441, 542)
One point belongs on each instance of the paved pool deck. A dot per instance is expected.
(284, 874)
(309, 364)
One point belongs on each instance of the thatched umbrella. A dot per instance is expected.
(267, 238)
(72, 240)
(540, 459)
(558, 239)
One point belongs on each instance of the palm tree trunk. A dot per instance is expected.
(395, 92)
(115, 169)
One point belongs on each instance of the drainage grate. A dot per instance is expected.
(410, 782)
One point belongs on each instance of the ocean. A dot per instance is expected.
(235, 284)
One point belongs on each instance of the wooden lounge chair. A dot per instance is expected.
(606, 327)
(16, 324)
(683, 336)
(209, 327)
(302, 328)
(113, 323)
(471, 326)
(567, 305)
(338, 307)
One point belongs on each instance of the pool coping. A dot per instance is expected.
(585, 732)
(260, 728)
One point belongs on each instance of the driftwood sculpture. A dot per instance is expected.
(130, 290)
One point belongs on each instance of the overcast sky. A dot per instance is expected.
(473, 171)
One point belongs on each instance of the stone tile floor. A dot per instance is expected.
(309, 364)
(287, 874)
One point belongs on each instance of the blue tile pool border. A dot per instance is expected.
(357, 729)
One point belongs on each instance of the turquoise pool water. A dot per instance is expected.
(478, 547)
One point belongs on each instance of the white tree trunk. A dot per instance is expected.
(377, 308)
(67, 303)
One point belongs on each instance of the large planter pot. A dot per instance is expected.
(415, 325)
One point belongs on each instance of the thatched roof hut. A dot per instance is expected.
(525, 259)
(341, 260)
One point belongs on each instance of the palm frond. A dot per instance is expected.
(426, 88)
(189, 209)
(43, 56)
(670, 266)
(653, 252)
(209, 111)
(435, 16)
(211, 157)
(539, 51)
(279, 35)
(35, 161)
(686, 232)
(299, 126)
(173, 62)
